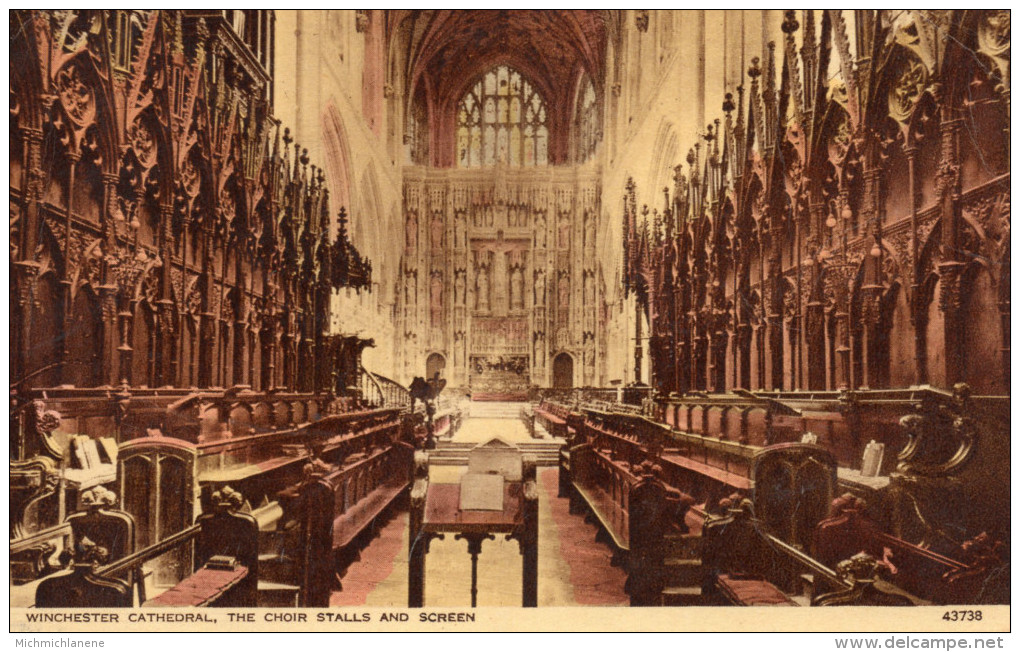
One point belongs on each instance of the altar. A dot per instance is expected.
(499, 374)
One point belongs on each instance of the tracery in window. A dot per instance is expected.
(416, 138)
(502, 120)
(587, 123)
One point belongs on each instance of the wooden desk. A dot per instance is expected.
(435, 511)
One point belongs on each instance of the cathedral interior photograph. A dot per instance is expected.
(354, 309)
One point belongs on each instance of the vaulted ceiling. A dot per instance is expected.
(444, 51)
(452, 47)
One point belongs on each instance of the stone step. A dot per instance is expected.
(524, 446)
(682, 596)
(527, 450)
(463, 461)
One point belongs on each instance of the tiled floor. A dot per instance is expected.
(573, 569)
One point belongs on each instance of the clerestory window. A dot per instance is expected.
(588, 132)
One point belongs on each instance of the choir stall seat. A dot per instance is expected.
(226, 559)
(80, 586)
(737, 558)
(960, 577)
(553, 418)
(314, 529)
(793, 487)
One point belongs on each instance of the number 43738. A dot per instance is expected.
(961, 616)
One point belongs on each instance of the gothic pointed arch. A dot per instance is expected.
(338, 169)
(587, 124)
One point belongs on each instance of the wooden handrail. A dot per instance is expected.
(806, 560)
(883, 537)
(20, 545)
(139, 557)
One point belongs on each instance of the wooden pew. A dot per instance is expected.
(705, 468)
(737, 560)
(636, 511)
(323, 517)
(739, 417)
(81, 585)
(553, 417)
(36, 522)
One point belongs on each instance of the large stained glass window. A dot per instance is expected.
(502, 121)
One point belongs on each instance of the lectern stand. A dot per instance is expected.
(436, 510)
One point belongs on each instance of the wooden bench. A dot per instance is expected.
(322, 517)
(635, 510)
(704, 468)
(207, 587)
(553, 418)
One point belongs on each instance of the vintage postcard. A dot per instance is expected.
(534, 320)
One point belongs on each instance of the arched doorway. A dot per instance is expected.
(435, 364)
(563, 371)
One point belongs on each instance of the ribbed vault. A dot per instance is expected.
(444, 51)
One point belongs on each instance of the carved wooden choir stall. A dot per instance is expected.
(172, 271)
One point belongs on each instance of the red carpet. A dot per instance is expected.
(375, 565)
(595, 580)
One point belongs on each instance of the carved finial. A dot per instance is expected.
(87, 552)
(727, 105)
(226, 499)
(178, 39)
(98, 497)
(287, 140)
(754, 72)
(201, 31)
(790, 24)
